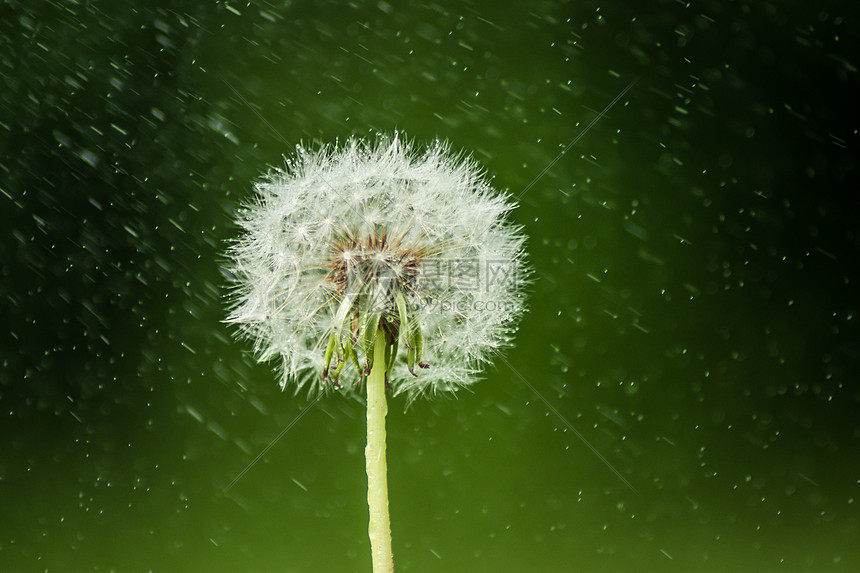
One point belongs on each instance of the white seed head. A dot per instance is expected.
(364, 236)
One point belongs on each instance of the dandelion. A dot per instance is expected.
(377, 264)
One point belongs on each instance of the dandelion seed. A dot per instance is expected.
(380, 264)
(357, 238)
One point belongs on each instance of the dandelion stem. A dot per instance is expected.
(379, 529)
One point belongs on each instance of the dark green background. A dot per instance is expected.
(694, 311)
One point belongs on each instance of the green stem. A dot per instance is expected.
(377, 470)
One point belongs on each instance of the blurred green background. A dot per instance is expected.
(693, 315)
